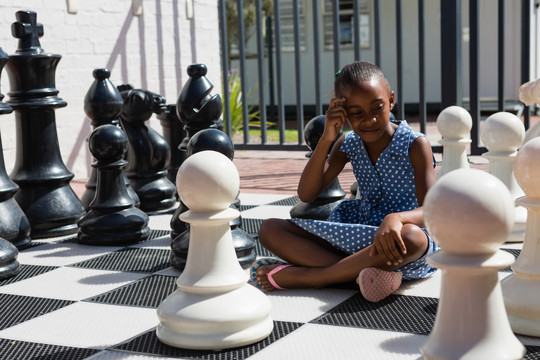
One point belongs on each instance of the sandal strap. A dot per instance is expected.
(275, 270)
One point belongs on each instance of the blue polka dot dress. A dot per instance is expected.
(385, 188)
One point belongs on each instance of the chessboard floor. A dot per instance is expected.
(73, 301)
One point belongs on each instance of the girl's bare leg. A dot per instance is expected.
(317, 264)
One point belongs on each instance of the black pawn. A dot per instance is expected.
(197, 109)
(45, 196)
(173, 132)
(103, 105)
(148, 152)
(112, 219)
(320, 208)
(244, 245)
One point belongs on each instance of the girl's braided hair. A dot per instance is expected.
(358, 71)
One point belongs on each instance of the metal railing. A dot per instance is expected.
(269, 57)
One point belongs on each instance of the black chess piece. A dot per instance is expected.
(322, 206)
(103, 105)
(197, 109)
(14, 226)
(148, 152)
(112, 218)
(173, 132)
(244, 245)
(45, 196)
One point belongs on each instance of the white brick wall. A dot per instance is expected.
(150, 51)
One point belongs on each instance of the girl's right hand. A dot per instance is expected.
(336, 115)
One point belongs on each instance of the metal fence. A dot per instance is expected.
(269, 59)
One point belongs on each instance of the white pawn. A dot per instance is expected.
(503, 134)
(214, 307)
(454, 124)
(469, 213)
(521, 289)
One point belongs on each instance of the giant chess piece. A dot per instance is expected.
(173, 132)
(14, 227)
(469, 213)
(112, 219)
(244, 245)
(333, 194)
(197, 109)
(45, 196)
(502, 134)
(148, 152)
(522, 288)
(454, 124)
(103, 105)
(214, 307)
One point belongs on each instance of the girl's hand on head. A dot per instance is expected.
(387, 241)
(336, 115)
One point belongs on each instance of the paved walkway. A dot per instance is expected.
(278, 172)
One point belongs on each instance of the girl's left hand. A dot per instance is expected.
(387, 241)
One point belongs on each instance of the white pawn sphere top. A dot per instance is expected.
(502, 132)
(207, 181)
(527, 168)
(454, 122)
(469, 211)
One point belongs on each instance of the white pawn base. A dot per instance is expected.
(214, 322)
(521, 289)
(471, 321)
(521, 296)
(454, 155)
(517, 234)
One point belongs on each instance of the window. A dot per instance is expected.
(346, 24)
(287, 25)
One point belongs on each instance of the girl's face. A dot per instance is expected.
(368, 106)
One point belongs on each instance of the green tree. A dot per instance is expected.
(231, 15)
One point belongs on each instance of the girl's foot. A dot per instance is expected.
(376, 284)
(265, 276)
(262, 271)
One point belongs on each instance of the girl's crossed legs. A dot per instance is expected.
(317, 263)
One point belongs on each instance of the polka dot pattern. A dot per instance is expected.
(384, 188)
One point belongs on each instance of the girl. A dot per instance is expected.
(377, 239)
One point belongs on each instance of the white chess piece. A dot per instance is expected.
(521, 289)
(454, 124)
(503, 134)
(532, 132)
(469, 213)
(529, 93)
(214, 307)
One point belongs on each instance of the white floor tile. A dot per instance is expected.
(314, 342)
(85, 325)
(62, 254)
(160, 222)
(116, 355)
(260, 199)
(267, 211)
(69, 283)
(430, 287)
(304, 305)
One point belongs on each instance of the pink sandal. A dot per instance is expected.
(376, 284)
(275, 270)
(264, 262)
